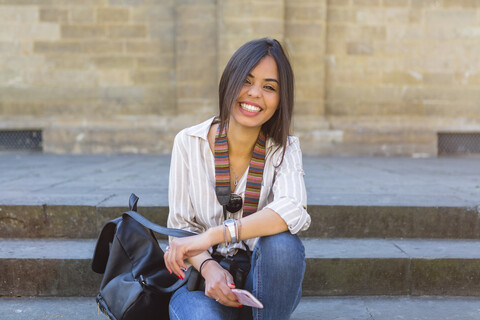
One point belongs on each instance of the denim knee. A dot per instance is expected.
(285, 248)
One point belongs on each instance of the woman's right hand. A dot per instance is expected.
(219, 284)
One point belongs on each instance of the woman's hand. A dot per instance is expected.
(183, 248)
(219, 284)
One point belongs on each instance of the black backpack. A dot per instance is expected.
(136, 284)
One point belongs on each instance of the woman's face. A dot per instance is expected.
(259, 97)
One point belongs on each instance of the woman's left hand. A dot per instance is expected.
(183, 248)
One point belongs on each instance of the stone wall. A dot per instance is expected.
(374, 77)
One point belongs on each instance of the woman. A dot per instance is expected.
(245, 151)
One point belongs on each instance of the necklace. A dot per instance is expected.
(255, 171)
(235, 182)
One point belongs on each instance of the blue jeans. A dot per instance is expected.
(278, 266)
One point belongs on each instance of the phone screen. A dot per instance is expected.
(247, 299)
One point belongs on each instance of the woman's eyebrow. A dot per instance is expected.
(267, 79)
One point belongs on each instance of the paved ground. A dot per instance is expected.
(101, 180)
(327, 308)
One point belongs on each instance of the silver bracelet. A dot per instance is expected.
(225, 235)
(231, 225)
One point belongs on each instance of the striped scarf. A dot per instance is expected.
(255, 170)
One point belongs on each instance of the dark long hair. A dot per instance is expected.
(235, 73)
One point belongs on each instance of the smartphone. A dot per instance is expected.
(246, 298)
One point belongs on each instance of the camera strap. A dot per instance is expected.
(222, 172)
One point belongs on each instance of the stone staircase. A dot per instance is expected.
(393, 253)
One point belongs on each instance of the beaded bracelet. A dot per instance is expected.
(201, 266)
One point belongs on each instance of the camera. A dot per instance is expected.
(238, 266)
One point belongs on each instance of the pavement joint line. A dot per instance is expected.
(399, 248)
(105, 200)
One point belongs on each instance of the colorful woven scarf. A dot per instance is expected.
(255, 170)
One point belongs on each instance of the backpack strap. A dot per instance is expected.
(102, 249)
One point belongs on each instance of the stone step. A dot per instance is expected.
(310, 308)
(328, 221)
(61, 267)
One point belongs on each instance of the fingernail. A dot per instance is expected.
(169, 271)
(240, 306)
(180, 278)
(232, 284)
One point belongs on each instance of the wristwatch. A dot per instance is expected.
(231, 225)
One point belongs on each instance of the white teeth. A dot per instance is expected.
(250, 108)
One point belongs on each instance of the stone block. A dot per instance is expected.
(396, 3)
(300, 46)
(53, 15)
(341, 15)
(309, 92)
(22, 221)
(451, 109)
(359, 48)
(127, 2)
(149, 47)
(200, 29)
(29, 31)
(71, 221)
(438, 78)
(370, 16)
(302, 13)
(18, 14)
(451, 17)
(127, 31)
(194, 12)
(67, 61)
(156, 62)
(62, 78)
(310, 77)
(153, 13)
(102, 46)
(426, 4)
(366, 3)
(357, 33)
(461, 3)
(336, 277)
(114, 62)
(269, 9)
(397, 16)
(82, 32)
(306, 30)
(163, 31)
(338, 3)
(112, 14)
(268, 28)
(59, 277)
(196, 74)
(114, 77)
(195, 46)
(152, 78)
(402, 78)
(56, 47)
(196, 90)
(82, 14)
(449, 277)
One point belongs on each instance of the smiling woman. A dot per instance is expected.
(229, 184)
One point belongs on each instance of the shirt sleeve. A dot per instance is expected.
(181, 213)
(289, 193)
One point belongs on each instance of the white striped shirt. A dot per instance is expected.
(191, 195)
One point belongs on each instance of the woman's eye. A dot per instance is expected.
(246, 81)
(270, 88)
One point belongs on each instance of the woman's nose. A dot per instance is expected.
(253, 91)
